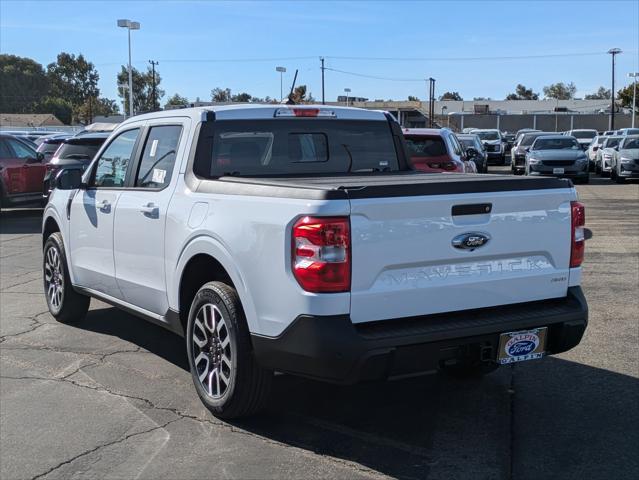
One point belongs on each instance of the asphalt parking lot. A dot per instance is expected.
(112, 397)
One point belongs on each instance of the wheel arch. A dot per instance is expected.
(203, 260)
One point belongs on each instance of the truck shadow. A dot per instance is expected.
(21, 221)
(553, 418)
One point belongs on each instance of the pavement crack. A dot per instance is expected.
(35, 325)
(101, 446)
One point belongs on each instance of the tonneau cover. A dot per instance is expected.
(396, 184)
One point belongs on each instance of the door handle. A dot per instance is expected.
(150, 209)
(104, 206)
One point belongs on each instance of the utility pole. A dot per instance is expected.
(613, 52)
(431, 101)
(634, 76)
(323, 98)
(153, 95)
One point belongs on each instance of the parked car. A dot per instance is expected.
(583, 136)
(494, 145)
(518, 153)
(509, 141)
(557, 155)
(49, 145)
(434, 150)
(38, 141)
(608, 133)
(625, 160)
(299, 240)
(21, 172)
(592, 150)
(72, 153)
(603, 163)
(627, 131)
(478, 155)
(520, 132)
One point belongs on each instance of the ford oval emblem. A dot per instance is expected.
(522, 347)
(470, 241)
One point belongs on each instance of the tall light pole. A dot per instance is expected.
(634, 95)
(613, 52)
(347, 91)
(282, 71)
(129, 25)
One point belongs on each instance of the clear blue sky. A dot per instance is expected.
(186, 36)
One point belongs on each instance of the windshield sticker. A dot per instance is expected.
(154, 148)
(158, 174)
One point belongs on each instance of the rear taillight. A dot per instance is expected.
(321, 254)
(578, 221)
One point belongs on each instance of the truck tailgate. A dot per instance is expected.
(404, 262)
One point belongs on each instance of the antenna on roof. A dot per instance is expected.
(291, 100)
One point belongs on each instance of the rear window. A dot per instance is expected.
(467, 142)
(48, 147)
(584, 134)
(528, 140)
(488, 135)
(80, 151)
(294, 146)
(555, 144)
(426, 146)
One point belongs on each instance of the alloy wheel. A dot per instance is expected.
(211, 350)
(54, 278)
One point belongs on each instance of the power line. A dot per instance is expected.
(375, 76)
(467, 59)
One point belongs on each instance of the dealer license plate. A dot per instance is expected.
(522, 346)
(558, 171)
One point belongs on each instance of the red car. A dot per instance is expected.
(21, 172)
(434, 150)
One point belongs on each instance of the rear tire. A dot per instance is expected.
(619, 179)
(225, 373)
(65, 304)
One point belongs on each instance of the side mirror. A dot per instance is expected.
(37, 159)
(471, 152)
(69, 179)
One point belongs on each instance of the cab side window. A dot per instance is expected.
(158, 156)
(20, 149)
(112, 165)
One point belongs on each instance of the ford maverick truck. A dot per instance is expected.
(298, 239)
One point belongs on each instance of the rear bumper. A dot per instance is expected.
(334, 349)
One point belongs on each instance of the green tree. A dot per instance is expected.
(23, 84)
(93, 106)
(602, 93)
(411, 98)
(178, 100)
(301, 95)
(241, 98)
(523, 93)
(61, 108)
(560, 91)
(451, 96)
(221, 95)
(73, 79)
(142, 89)
(625, 96)
(476, 99)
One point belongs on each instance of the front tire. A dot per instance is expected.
(65, 304)
(225, 373)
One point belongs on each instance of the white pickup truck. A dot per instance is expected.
(298, 239)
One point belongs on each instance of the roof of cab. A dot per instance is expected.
(249, 111)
